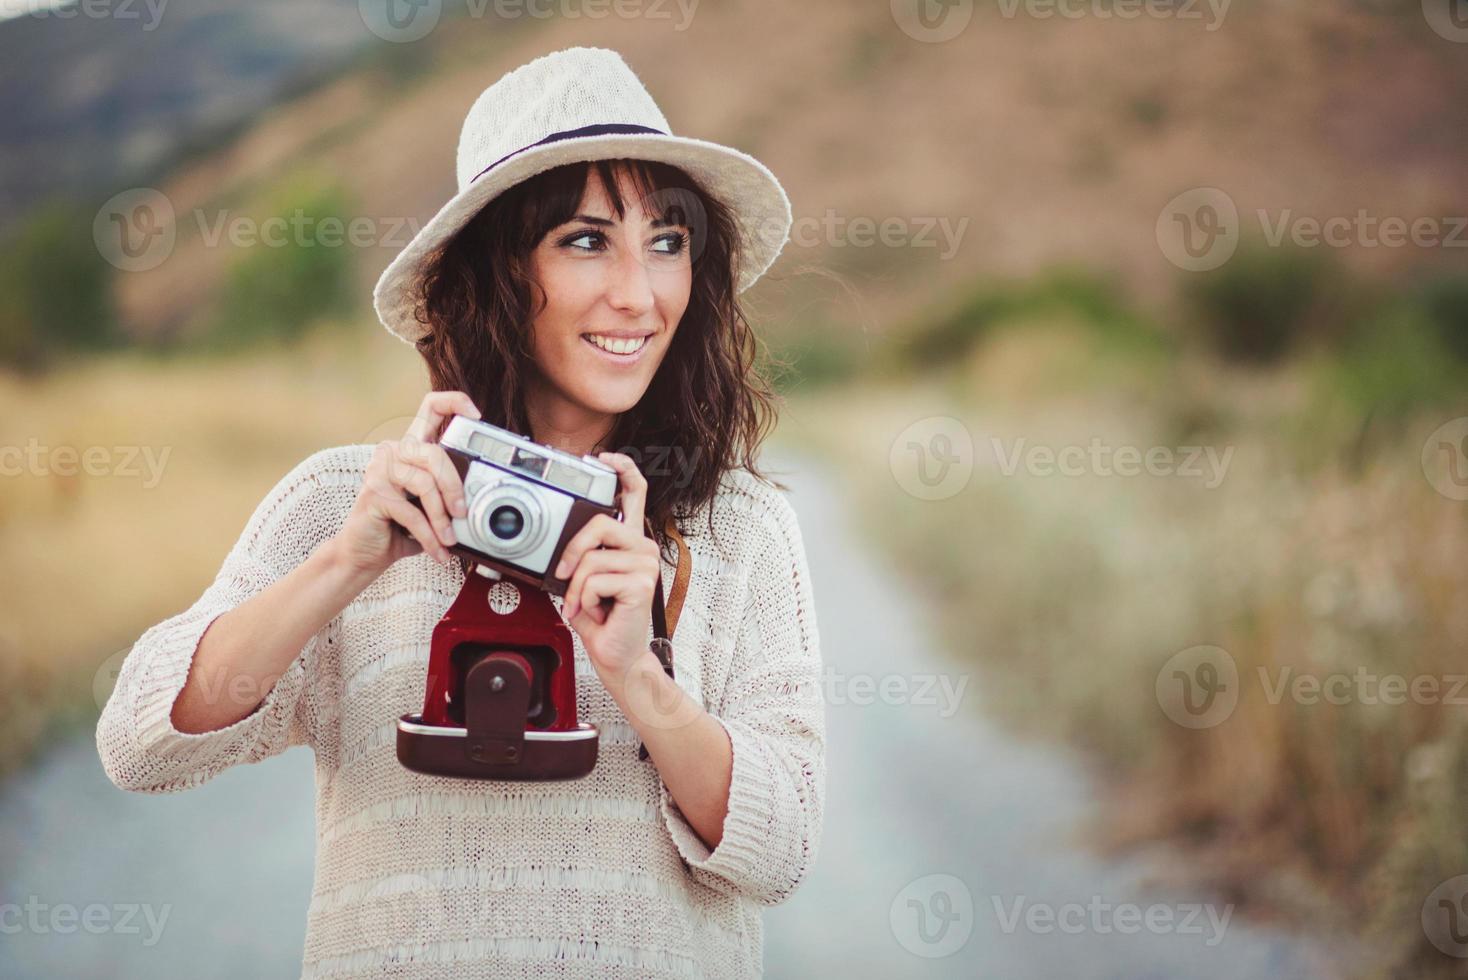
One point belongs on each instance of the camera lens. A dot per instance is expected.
(506, 522)
(507, 519)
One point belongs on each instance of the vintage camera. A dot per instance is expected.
(500, 702)
(525, 500)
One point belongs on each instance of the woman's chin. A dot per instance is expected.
(614, 398)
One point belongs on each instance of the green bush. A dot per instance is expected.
(54, 288)
(275, 292)
(1394, 362)
(1445, 303)
(941, 337)
(1259, 307)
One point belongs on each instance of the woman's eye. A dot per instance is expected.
(672, 244)
(582, 237)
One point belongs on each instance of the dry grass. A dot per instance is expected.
(1074, 591)
(97, 558)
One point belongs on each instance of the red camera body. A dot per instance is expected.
(501, 695)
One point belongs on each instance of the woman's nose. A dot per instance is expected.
(630, 286)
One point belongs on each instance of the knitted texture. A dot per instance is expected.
(421, 877)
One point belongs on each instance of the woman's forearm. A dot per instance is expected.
(245, 651)
(694, 759)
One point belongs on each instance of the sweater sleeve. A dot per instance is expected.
(775, 717)
(140, 748)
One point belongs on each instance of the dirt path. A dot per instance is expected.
(918, 787)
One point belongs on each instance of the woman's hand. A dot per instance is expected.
(370, 540)
(611, 559)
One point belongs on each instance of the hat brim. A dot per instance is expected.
(759, 204)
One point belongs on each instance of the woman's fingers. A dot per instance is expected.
(434, 460)
(388, 502)
(602, 531)
(416, 524)
(402, 475)
(618, 571)
(634, 487)
(437, 406)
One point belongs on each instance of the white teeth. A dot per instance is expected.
(622, 345)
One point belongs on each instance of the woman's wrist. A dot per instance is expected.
(348, 579)
(645, 670)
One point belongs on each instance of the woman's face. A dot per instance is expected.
(615, 290)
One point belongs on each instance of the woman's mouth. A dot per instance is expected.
(619, 350)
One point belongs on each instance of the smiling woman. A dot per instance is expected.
(623, 270)
(581, 289)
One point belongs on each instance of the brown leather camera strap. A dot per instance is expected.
(664, 621)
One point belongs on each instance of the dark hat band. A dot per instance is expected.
(599, 129)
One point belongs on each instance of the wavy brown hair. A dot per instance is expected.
(708, 407)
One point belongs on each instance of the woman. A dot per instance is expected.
(581, 288)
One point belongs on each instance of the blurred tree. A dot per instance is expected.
(54, 288)
(276, 291)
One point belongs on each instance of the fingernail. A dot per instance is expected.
(561, 570)
(449, 537)
(460, 508)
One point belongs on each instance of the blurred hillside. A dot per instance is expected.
(1022, 144)
(91, 101)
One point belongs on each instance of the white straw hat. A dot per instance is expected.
(570, 106)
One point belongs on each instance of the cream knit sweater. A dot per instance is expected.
(421, 877)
